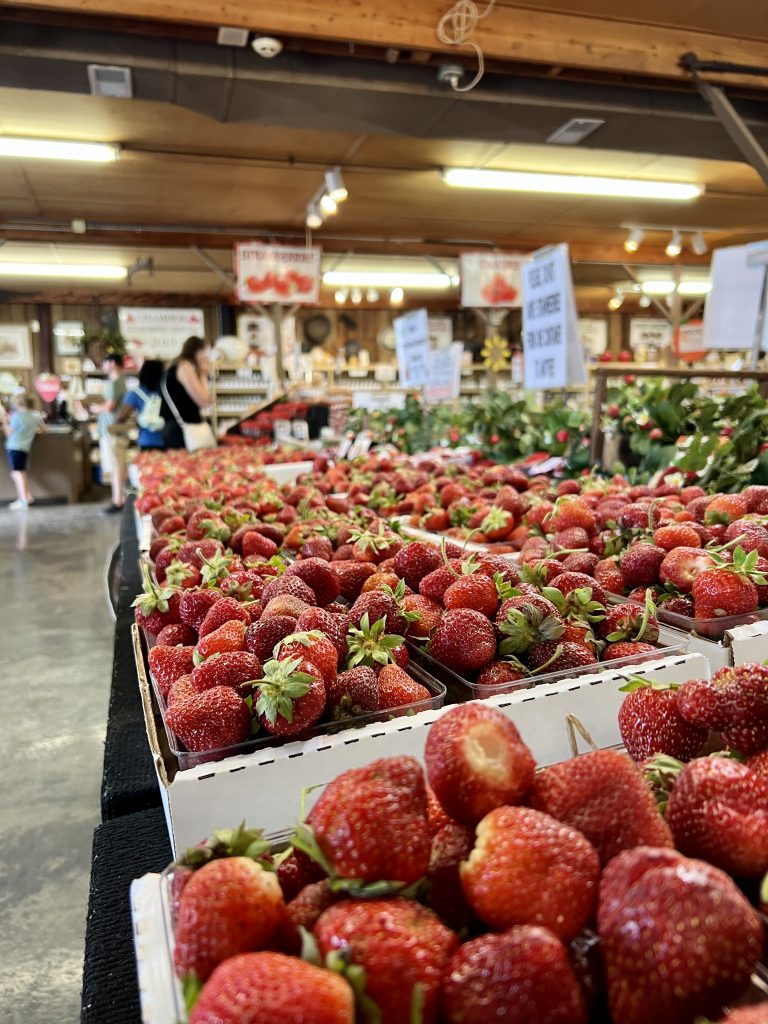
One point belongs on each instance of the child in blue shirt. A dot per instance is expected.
(20, 429)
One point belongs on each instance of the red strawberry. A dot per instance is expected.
(476, 761)
(290, 696)
(750, 534)
(397, 688)
(528, 868)
(271, 988)
(735, 696)
(377, 605)
(726, 508)
(627, 649)
(262, 637)
(313, 646)
(180, 574)
(435, 584)
(317, 547)
(677, 535)
(206, 524)
(451, 844)
(640, 565)
(352, 576)
(180, 690)
(178, 634)
(212, 720)
(304, 911)
(415, 561)
(609, 575)
(520, 976)
(630, 622)
(423, 616)
(656, 952)
(526, 598)
(225, 610)
(700, 704)
(567, 582)
(334, 626)
(571, 539)
(354, 692)
(569, 512)
(558, 657)
(171, 524)
(542, 573)
(296, 872)
(604, 795)
(284, 605)
(229, 637)
(195, 605)
(195, 552)
(168, 663)
(464, 641)
(255, 544)
(501, 674)
(318, 575)
(288, 585)
(637, 516)
(650, 723)
(476, 591)
(157, 607)
(230, 668)
(729, 589)
(164, 560)
(357, 814)
(581, 562)
(747, 739)
(401, 946)
(526, 625)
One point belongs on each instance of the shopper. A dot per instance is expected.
(186, 391)
(113, 448)
(20, 429)
(145, 403)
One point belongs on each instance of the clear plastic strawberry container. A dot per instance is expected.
(708, 629)
(190, 759)
(461, 689)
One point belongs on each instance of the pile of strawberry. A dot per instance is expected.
(529, 896)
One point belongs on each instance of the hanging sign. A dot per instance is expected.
(689, 341)
(444, 373)
(733, 302)
(491, 279)
(594, 335)
(412, 346)
(440, 331)
(277, 273)
(159, 333)
(552, 348)
(644, 331)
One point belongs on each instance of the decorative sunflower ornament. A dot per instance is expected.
(496, 353)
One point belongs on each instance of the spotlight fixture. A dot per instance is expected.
(372, 295)
(699, 244)
(340, 297)
(675, 244)
(328, 204)
(570, 184)
(633, 239)
(314, 216)
(356, 295)
(334, 183)
(644, 301)
(616, 301)
(396, 296)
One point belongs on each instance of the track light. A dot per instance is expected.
(334, 183)
(633, 239)
(616, 301)
(372, 295)
(340, 297)
(699, 244)
(314, 216)
(356, 295)
(644, 301)
(396, 296)
(675, 244)
(328, 204)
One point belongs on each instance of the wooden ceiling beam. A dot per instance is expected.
(511, 32)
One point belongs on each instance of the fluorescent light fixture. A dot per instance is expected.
(675, 244)
(570, 184)
(328, 204)
(396, 296)
(699, 244)
(314, 216)
(57, 149)
(633, 239)
(690, 288)
(85, 271)
(386, 279)
(658, 287)
(334, 182)
(694, 288)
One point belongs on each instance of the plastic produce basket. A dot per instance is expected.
(709, 629)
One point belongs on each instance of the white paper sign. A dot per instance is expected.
(440, 331)
(159, 333)
(491, 279)
(553, 352)
(594, 335)
(277, 273)
(645, 331)
(444, 374)
(376, 401)
(15, 347)
(412, 345)
(733, 303)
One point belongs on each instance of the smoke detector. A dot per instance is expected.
(108, 80)
(266, 47)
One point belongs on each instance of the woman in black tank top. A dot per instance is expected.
(187, 394)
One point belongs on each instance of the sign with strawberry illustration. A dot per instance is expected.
(159, 333)
(277, 274)
(491, 279)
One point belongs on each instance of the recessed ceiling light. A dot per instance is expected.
(575, 130)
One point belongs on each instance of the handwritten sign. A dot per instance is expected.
(444, 374)
(553, 352)
(412, 346)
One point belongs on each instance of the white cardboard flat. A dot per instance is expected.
(740, 644)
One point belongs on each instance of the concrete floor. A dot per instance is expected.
(56, 639)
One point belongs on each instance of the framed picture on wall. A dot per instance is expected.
(15, 347)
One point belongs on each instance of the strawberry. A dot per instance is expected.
(520, 976)
(385, 581)
(212, 720)
(377, 605)
(288, 585)
(357, 814)
(541, 573)
(180, 574)
(225, 610)
(167, 664)
(526, 599)
(402, 948)
(476, 591)
(582, 562)
(569, 512)
(180, 690)
(317, 547)
(650, 722)
(464, 641)
(157, 607)
(567, 582)
(609, 575)
(415, 561)
(636, 516)
(334, 626)
(528, 868)
(164, 560)
(677, 605)
(397, 688)
(573, 538)
(700, 703)
(740, 694)
(371, 645)
(627, 649)
(476, 761)
(205, 524)
(640, 565)
(604, 795)
(435, 584)
(559, 657)
(757, 1014)
(726, 590)
(195, 605)
(271, 988)
(284, 605)
(262, 637)
(656, 952)
(229, 637)
(726, 508)
(352, 576)
(318, 575)
(255, 544)
(171, 524)
(304, 911)
(747, 739)
(525, 626)
(230, 668)
(354, 692)
(297, 871)
(451, 844)
(290, 696)
(195, 552)
(630, 622)
(160, 544)
(718, 811)
(424, 616)
(502, 673)
(313, 646)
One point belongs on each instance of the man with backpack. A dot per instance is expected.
(144, 403)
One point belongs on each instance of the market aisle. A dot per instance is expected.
(56, 638)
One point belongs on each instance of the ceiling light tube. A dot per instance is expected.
(386, 279)
(658, 287)
(334, 182)
(57, 149)
(85, 271)
(570, 184)
(633, 239)
(328, 204)
(693, 289)
(675, 244)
